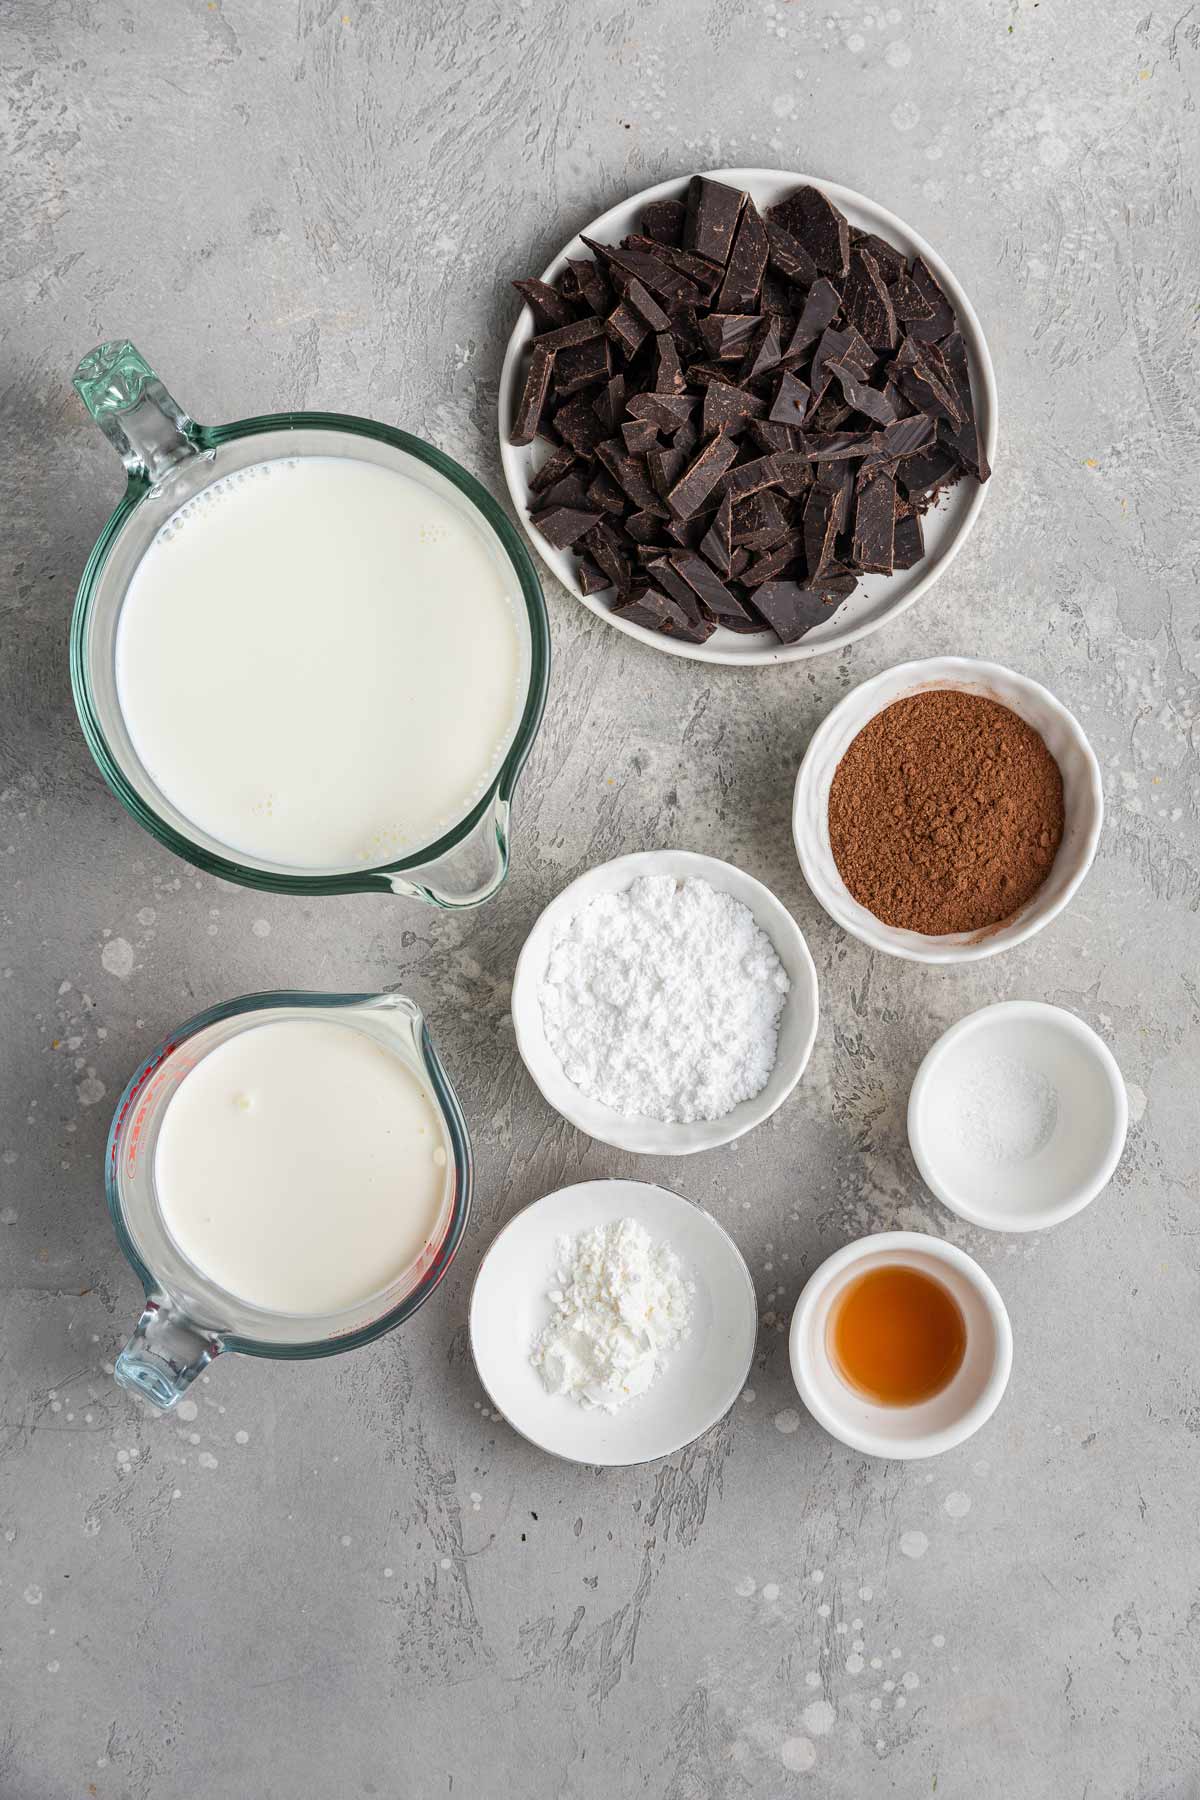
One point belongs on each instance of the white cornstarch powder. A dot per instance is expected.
(663, 1001)
(620, 1301)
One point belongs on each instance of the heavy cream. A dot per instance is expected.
(302, 1166)
(321, 662)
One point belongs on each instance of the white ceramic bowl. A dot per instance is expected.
(877, 598)
(1053, 1179)
(950, 1417)
(1083, 798)
(653, 1137)
(702, 1376)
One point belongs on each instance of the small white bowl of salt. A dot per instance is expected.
(1017, 1116)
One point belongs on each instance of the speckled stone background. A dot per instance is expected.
(348, 1578)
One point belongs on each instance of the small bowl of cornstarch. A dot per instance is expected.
(665, 1003)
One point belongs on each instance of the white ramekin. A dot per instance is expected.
(1083, 798)
(904, 1432)
(654, 1137)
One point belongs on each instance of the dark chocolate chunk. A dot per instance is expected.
(664, 468)
(582, 365)
(604, 546)
(707, 584)
(610, 405)
(533, 397)
(646, 307)
(750, 477)
(787, 255)
(578, 425)
(664, 576)
(964, 438)
(666, 411)
(791, 402)
(647, 605)
(921, 373)
(703, 274)
(909, 543)
(654, 272)
(639, 435)
(594, 291)
(875, 525)
(591, 577)
(577, 332)
(668, 376)
(664, 220)
(839, 346)
(793, 472)
(941, 319)
(716, 546)
(728, 408)
(701, 476)
(818, 227)
(923, 477)
(629, 472)
(821, 308)
(560, 460)
(627, 329)
(727, 336)
(747, 261)
(773, 564)
(570, 491)
(606, 496)
(773, 437)
(908, 302)
(821, 526)
(563, 526)
(867, 304)
(548, 308)
(765, 352)
(874, 403)
(891, 262)
(791, 610)
(902, 438)
(759, 522)
(713, 211)
(645, 528)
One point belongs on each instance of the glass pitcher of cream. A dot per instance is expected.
(309, 652)
(290, 1175)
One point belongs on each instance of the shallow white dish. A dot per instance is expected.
(1083, 799)
(702, 1376)
(877, 598)
(1083, 1148)
(904, 1432)
(654, 1137)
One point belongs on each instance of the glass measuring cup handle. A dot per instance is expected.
(467, 874)
(165, 1354)
(147, 427)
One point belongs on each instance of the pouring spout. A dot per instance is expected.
(147, 427)
(164, 1355)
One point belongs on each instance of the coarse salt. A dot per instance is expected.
(620, 1301)
(1004, 1110)
(663, 1001)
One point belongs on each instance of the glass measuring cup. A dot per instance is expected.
(169, 459)
(187, 1319)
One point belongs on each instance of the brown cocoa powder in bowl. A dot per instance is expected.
(945, 813)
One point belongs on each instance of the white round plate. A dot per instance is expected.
(701, 1378)
(877, 598)
(657, 1137)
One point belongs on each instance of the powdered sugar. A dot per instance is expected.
(663, 1001)
(620, 1300)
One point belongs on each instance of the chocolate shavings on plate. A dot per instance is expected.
(743, 414)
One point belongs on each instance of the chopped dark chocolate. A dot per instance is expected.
(563, 526)
(818, 227)
(790, 403)
(747, 261)
(664, 220)
(548, 308)
(729, 408)
(533, 397)
(734, 407)
(875, 526)
(582, 365)
(790, 609)
(713, 211)
(701, 476)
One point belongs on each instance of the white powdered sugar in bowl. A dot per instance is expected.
(662, 1001)
(620, 1301)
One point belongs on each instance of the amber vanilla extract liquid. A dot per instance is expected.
(896, 1335)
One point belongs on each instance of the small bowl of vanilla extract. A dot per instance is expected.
(901, 1345)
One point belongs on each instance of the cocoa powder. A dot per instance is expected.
(945, 813)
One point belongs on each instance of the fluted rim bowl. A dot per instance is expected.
(1083, 799)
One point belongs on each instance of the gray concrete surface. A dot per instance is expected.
(348, 1578)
